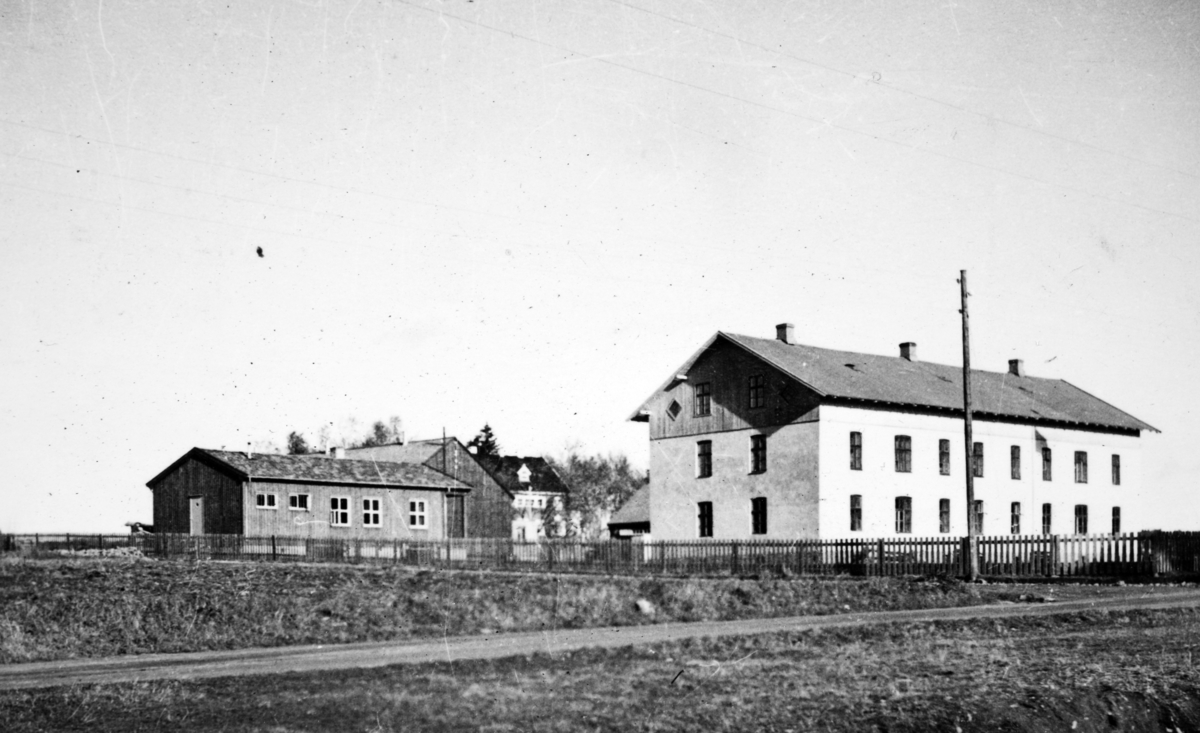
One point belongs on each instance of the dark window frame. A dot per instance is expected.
(758, 454)
(944, 516)
(903, 454)
(757, 391)
(977, 459)
(855, 450)
(1014, 518)
(1116, 520)
(977, 517)
(1047, 464)
(758, 515)
(1014, 459)
(944, 457)
(903, 515)
(1047, 518)
(704, 465)
(1081, 467)
(856, 524)
(705, 517)
(1116, 469)
(1081, 519)
(702, 402)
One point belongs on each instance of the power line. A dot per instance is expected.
(915, 95)
(762, 105)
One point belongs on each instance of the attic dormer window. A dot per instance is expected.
(523, 474)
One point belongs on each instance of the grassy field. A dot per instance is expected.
(56, 609)
(1083, 672)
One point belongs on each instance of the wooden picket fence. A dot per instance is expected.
(1010, 556)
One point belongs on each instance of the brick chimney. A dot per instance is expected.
(784, 333)
(1016, 367)
(908, 350)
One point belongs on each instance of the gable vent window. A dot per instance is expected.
(1080, 467)
(757, 392)
(903, 454)
(944, 457)
(855, 451)
(674, 409)
(703, 405)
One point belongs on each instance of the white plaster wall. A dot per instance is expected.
(880, 484)
(789, 484)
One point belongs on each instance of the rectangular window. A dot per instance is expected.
(705, 518)
(903, 454)
(370, 512)
(903, 515)
(977, 517)
(1080, 467)
(1015, 517)
(855, 451)
(856, 512)
(758, 454)
(264, 501)
(757, 392)
(1116, 470)
(1014, 457)
(298, 502)
(1045, 519)
(977, 460)
(1116, 520)
(339, 511)
(944, 516)
(758, 515)
(703, 399)
(944, 457)
(417, 515)
(704, 459)
(1046, 456)
(1081, 519)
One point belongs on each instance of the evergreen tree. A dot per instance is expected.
(296, 444)
(485, 442)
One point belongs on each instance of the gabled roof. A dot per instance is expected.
(318, 469)
(542, 476)
(889, 380)
(636, 510)
(415, 452)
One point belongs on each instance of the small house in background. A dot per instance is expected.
(533, 484)
(226, 492)
(633, 518)
(487, 508)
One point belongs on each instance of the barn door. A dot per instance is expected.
(456, 520)
(196, 511)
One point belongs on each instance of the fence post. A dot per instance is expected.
(274, 551)
(879, 560)
(734, 564)
(100, 543)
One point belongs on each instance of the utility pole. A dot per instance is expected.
(972, 543)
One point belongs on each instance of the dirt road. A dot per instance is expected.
(277, 660)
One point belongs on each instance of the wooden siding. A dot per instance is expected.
(489, 511)
(315, 522)
(728, 369)
(222, 499)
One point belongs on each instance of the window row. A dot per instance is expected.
(904, 514)
(758, 517)
(757, 456)
(339, 509)
(903, 459)
(756, 395)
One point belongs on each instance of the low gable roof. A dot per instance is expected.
(542, 476)
(636, 510)
(318, 469)
(896, 381)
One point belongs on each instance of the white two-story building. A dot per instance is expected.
(770, 439)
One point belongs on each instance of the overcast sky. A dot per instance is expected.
(528, 214)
